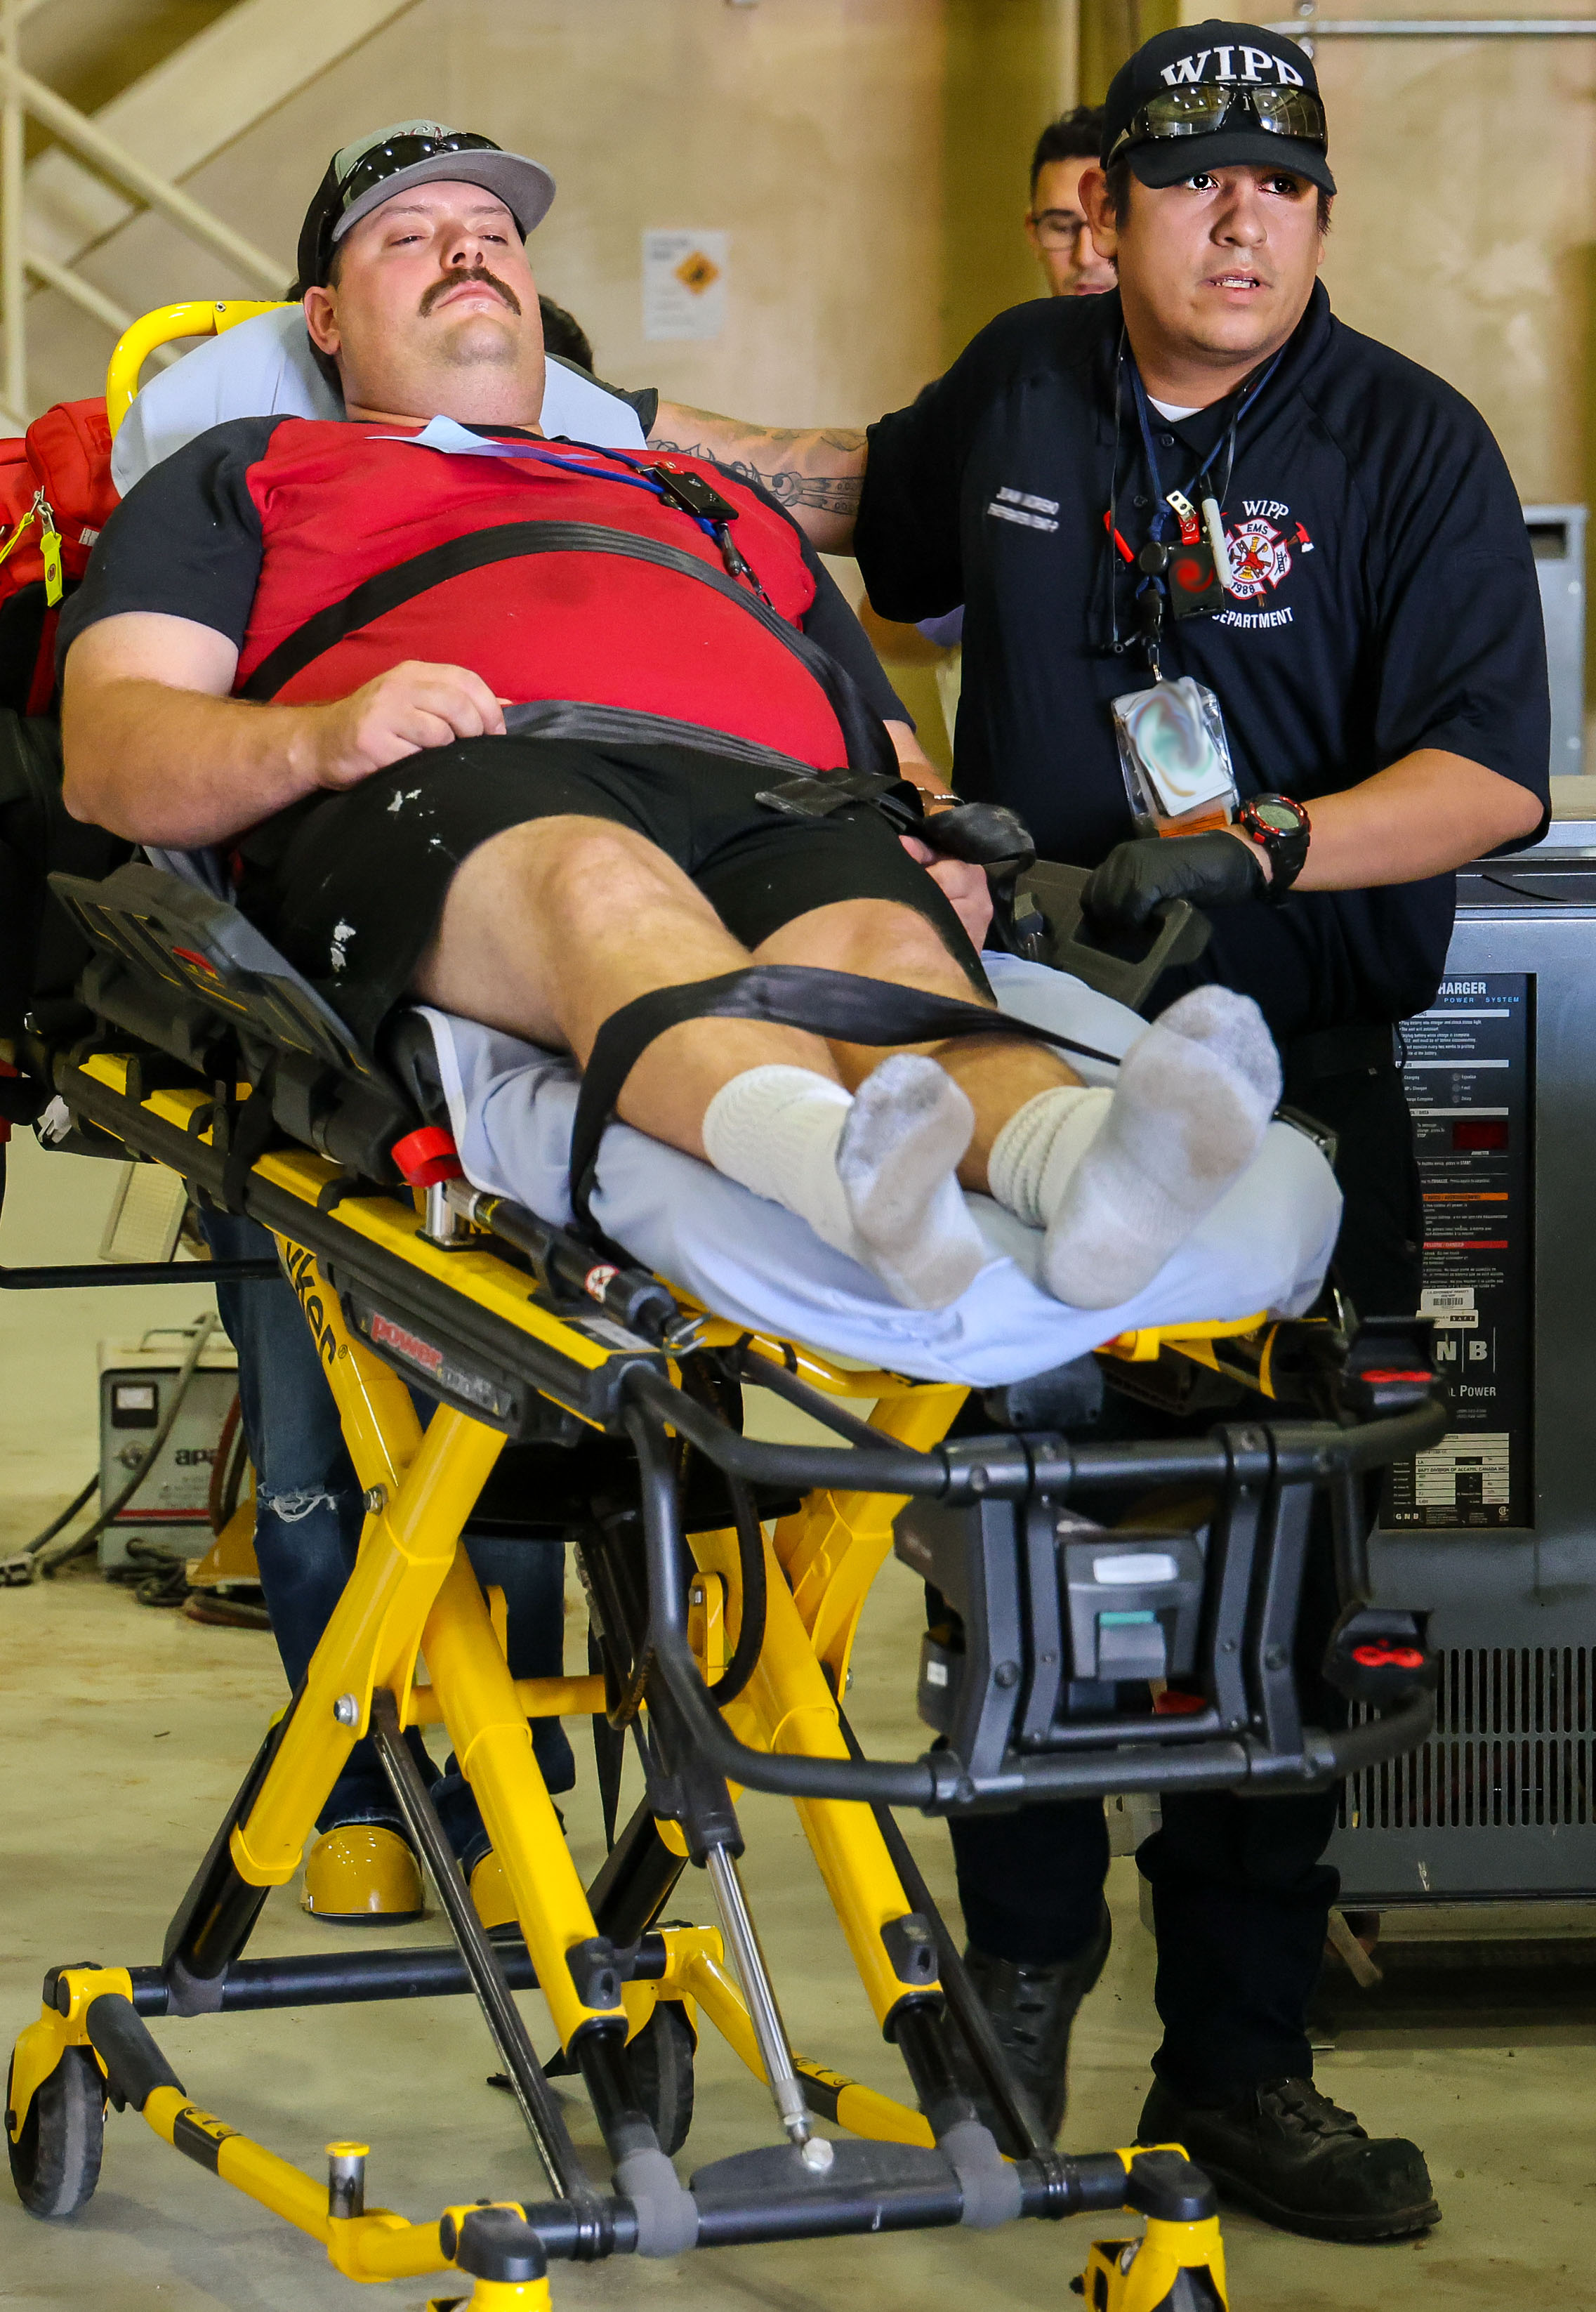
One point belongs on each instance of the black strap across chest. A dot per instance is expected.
(865, 737)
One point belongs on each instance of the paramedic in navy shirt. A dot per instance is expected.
(1379, 661)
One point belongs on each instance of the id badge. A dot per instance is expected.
(1175, 758)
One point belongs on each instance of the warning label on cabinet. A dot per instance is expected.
(1467, 1078)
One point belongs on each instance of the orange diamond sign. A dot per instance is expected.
(698, 272)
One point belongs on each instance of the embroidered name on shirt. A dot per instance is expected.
(1253, 618)
(1020, 507)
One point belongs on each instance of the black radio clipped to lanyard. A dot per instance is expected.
(705, 503)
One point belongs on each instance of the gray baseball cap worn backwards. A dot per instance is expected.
(371, 171)
(1216, 95)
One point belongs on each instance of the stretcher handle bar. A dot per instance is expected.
(938, 1781)
(1010, 1467)
(902, 1783)
(138, 1272)
(881, 1468)
(764, 1372)
(1349, 1749)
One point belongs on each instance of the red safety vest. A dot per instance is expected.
(341, 503)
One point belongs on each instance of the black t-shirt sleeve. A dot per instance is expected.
(1463, 644)
(185, 541)
(907, 536)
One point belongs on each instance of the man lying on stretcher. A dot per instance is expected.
(298, 640)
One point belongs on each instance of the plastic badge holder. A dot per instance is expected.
(1175, 758)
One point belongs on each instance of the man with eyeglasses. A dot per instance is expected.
(1055, 223)
(1057, 229)
(1205, 474)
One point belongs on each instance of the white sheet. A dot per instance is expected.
(1264, 1247)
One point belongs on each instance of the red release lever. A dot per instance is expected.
(1382, 1654)
(1178, 1702)
(428, 1155)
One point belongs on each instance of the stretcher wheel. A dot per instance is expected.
(661, 2057)
(55, 2162)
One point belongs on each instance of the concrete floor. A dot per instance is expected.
(123, 1733)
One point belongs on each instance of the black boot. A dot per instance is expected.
(1032, 2009)
(1288, 2154)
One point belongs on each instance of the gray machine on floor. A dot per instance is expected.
(1498, 1524)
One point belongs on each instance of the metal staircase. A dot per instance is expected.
(103, 169)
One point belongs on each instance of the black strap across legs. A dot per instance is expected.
(837, 1004)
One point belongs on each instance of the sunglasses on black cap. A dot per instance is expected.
(1202, 111)
(385, 160)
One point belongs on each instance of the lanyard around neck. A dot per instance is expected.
(1150, 588)
(536, 453)
(671, 485)
(1162, 513)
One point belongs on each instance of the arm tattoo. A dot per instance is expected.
(780, 459)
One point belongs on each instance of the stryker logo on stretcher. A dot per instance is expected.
(1257, 64)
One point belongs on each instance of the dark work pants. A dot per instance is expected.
(1241, 1898)
(308, 1518)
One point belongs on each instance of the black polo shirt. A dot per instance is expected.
(1389, 603)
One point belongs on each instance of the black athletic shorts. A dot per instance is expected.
(350, 886)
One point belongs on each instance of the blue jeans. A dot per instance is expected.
(308, 1518)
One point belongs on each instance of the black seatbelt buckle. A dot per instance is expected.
(693, 494)
(821, 792)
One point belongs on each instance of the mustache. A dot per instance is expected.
(456, 280)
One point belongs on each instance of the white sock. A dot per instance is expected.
(1121, 1178)
(1040, 1147)
(874, 1175)
(898, 1161)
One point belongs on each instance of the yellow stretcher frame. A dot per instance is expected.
(412, 1594)
(197, 317)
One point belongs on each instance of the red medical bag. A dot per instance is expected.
(56, 494)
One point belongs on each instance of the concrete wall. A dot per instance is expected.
(89, 50)
(811, 130)
(1463, 232)
(1011, 67)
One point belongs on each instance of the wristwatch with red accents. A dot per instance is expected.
(1282, 830)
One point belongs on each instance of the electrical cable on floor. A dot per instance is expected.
(45, 1556)
(17, 1571)
(156, 1573)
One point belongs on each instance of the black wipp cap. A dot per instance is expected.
(1241, 56)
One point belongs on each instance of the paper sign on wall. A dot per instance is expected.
(683, 284)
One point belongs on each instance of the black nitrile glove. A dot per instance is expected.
(986, 834)
(1212, 870)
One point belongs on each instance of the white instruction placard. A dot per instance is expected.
(684, 283)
